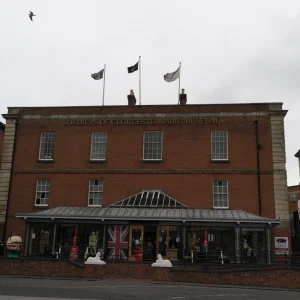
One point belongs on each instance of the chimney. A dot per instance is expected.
(131, 98)
(182, 97)
(298, 156)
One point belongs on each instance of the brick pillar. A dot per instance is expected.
(6, 166)
(161, 274)
(279, 172)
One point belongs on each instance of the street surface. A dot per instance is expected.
(114, 289)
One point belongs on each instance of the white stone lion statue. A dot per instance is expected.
(163, 263)
(95, 260)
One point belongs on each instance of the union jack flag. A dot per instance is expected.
(117, 241)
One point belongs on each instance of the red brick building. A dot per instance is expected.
(294, 205)
(141, 180)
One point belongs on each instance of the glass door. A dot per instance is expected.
(162, 240)
(136, 237)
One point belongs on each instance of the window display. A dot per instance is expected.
(253, 248)
(204, 242)
(40, 239)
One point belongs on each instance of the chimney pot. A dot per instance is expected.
(182, 98)
(131, 98)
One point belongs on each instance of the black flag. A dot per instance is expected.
(133, 68)
(98, 75)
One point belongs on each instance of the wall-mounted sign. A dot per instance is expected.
(281, 245)
(155, 121)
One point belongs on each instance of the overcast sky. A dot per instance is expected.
(231, 51)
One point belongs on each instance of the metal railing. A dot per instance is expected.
(189, 259)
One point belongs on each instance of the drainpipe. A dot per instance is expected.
(258, 148)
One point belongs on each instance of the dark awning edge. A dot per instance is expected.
(149, 214)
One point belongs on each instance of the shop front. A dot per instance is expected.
(138, 242)
(144, 225)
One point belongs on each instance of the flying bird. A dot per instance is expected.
(31, 15)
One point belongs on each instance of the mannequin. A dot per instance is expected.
(247, 249)
(193, 242)
(93, 240)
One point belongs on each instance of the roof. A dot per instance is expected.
(2, 125)
(298, 154)
(149, 198)
(146, 214)
(153, 105)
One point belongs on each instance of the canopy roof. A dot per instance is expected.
(148, 214)
(147, 205)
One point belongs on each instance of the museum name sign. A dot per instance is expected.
(156, 121)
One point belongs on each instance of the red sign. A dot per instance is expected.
(281, 245)
(74, 252)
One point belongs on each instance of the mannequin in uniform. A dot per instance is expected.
(193, 242)
(93, 240)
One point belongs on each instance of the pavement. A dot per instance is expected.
(16, 288)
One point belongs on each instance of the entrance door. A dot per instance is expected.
(136, 237)
(162, 240)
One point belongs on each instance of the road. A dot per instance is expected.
(118, 289)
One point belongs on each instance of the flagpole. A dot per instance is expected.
(179, 83)
(140, 67)
(103, 85)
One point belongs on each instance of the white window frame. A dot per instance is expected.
(211, 143)
(98, 159)
(95, 205)
(213, 185)
(45, 191)
(46, 159)
(153, 159)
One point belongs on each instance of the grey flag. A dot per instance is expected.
(169, 77)
(98, 75)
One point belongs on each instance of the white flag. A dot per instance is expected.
(169, 77)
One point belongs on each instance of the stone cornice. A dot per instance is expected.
(146, 115)
(278, 112)
(10, 116)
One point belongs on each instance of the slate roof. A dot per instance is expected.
(146, 214)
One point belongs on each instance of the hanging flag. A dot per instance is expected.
(133, 68)
(169, 77)
(117, 241)
(98, 75)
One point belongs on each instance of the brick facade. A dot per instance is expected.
(293, 205)
(186, 171)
